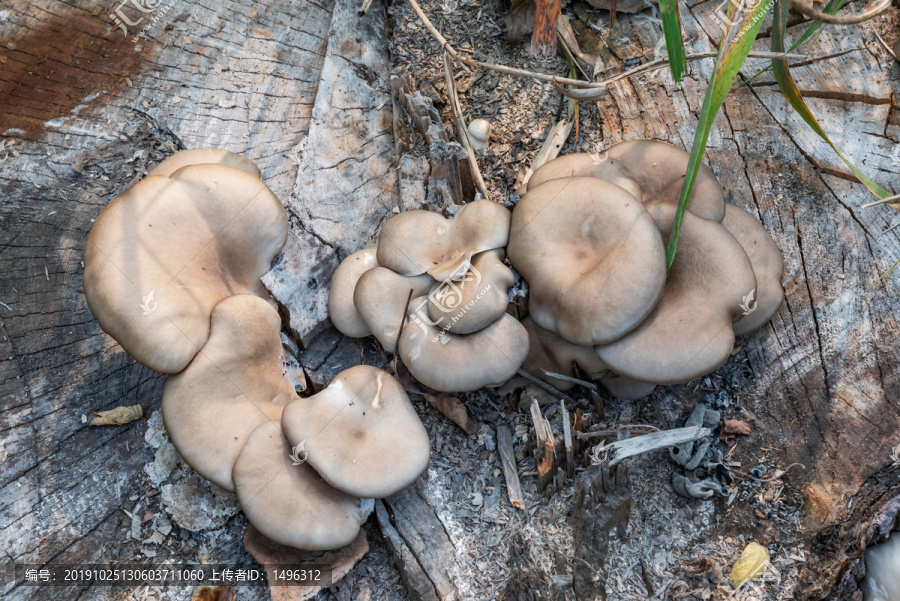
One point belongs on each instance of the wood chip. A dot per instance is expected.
(117, 416)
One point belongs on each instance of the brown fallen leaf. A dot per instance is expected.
(117, 416)
(734, 427)
(452, 408)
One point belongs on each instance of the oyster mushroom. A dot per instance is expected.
(234, 384)
(626, 389)
(361, 433)
(768, 267)
(592, 255)
(547, 351)
(417, 242)
(341, 308)
(461, 362)
(291, 504)
(475, 301)
(201, 156)
(380, 299)
(689, 333)
(161, 255)
(587, 165)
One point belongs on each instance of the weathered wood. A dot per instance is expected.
(414, 577)
(424, 535)
(545, 453)
(630, 447)
(510, 471)
(567, 439)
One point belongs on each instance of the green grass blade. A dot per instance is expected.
(792, 94)
(832, 7)
(671, 19)
(733, 50)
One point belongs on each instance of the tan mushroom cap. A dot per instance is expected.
(201, 156)
(234, 384)
(626, 389)
(583, 164)
(417, 242)
(291, 504)
(461, 363)
(380, 298)
(689, 332)
(341, 309)
(475, 301)
(547, 351)
(768, 266)
(659, 169)
(361, 433)
(161, 255)
(592, 256)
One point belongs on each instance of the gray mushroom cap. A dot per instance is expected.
(461, 362)
(234, 384)
(417, 242)
(768, 266)
(659, 169)
(161, 255)
(380, 299)
(583, 164)
(201, 156)
(341, 308)
(475, 301)
(291, 504)
(689, 332)
(592, 255)
(361, 433)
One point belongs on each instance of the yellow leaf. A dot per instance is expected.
(117, 416)
(750, 565)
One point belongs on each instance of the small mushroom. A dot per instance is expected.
(417, 242)
(768, 267)
(380, 299)
(461, 362)
(161, 255)
(289, 503)
(201, 156)
(659, 169)
(547, 351)
(232, 386)
(587, 165)
(689, 332)
(626, 389)
(592, 255)
(361, 433)
(477, 300)
(479, 134)
(341, 308)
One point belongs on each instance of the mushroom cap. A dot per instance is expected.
(583, 164)
(659, 169)
(592, 255)
(341, 308)
(689, 332)
(200, 156)
(291, 504)
(479, 133)
(626, 389)
(548, 351)
(361, 433)
(234, 384)
(161, 255)
(768, 267)
(380, 298)
(475, 301)
(417, 242)
(461, 362)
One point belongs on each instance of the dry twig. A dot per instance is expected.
(463, 131)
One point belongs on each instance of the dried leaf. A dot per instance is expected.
(452, 408)
(750, 565)
(519, 20)
(117, 416)
(735, 427)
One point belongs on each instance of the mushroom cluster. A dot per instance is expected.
(589, 237)
(171, 266)
(451, 275)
